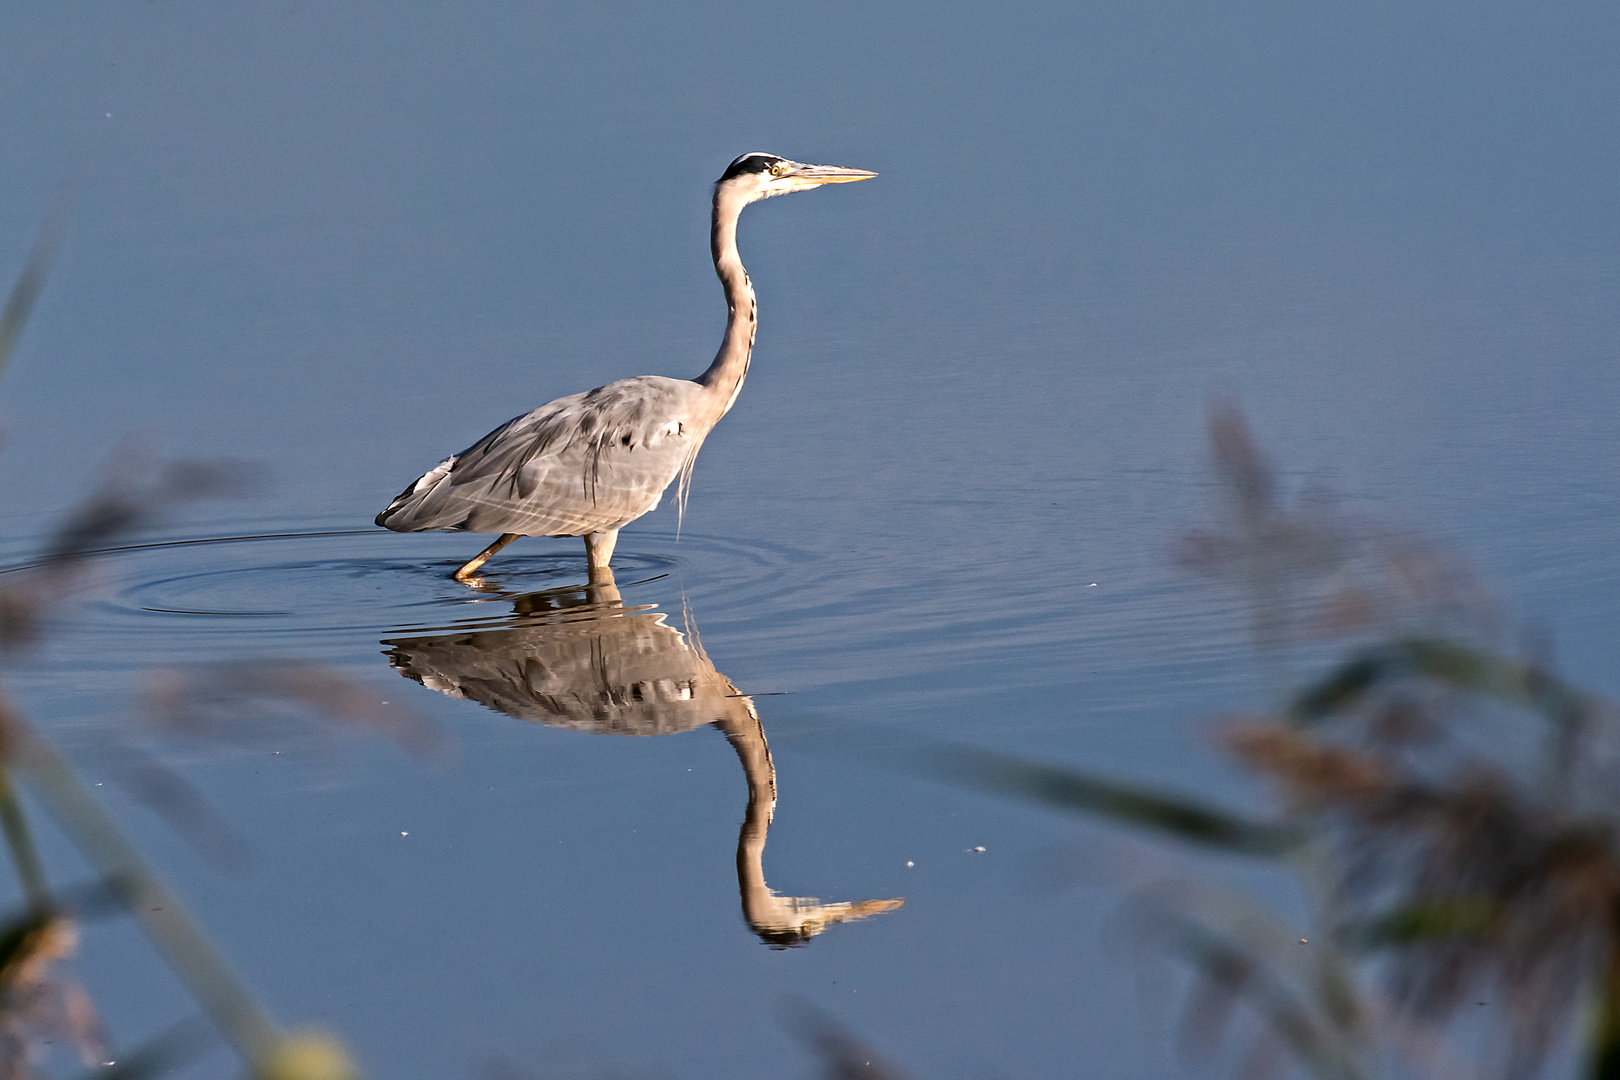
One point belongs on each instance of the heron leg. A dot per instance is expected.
(465, 574)
(599, 552)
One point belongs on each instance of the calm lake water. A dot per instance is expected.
(344, 242)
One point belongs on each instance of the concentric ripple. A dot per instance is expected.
(786, 618)
(318, 592)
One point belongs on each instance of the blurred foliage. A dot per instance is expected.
(25, 291)
(1450, 808)
(843, 1056)
(41, 1005)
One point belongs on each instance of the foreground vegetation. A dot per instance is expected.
(1449, 807)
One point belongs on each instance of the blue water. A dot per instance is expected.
(344, 242)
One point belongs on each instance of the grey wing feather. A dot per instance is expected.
(584, 463)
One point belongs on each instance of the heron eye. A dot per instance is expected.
(779, 168)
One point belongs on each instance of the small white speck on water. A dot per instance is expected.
(910, 863)
(404, 834)
(1093, 585)
(1302, 941)
(976, 850)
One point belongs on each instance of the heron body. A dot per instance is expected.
(589, 464)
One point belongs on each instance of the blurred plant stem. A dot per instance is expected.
(1605, 1063)
(158, 910)
(271, 1053)
(20, 303)
(29, 1001)
(20, 842)
(1451, 812)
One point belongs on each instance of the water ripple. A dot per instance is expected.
(789, 618)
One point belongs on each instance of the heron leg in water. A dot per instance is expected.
(465, 574)
(599, 552)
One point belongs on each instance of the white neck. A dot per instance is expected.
(724, 378)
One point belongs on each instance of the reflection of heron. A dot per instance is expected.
(589, 464)
(583, 660)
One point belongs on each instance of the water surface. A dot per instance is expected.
(346, 243)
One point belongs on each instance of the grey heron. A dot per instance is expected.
(589, 464)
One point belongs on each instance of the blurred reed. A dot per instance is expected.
(41, 1004)
(1450, 807)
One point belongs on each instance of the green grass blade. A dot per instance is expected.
(20, 842)
(1322, 1051)
(1174, 815)
(1450, 916)
(159, 911)
(1066, 789)
(20, 304)
(1464, 667)
(1604, 1046)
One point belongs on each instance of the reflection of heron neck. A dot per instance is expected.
(747, 737)
(724, 377)
(778, 920)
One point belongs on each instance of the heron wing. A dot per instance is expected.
(584, 463)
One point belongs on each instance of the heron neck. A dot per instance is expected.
(724, 377)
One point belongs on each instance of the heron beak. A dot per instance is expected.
(812, 175)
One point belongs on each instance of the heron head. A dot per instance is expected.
(759, 175)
